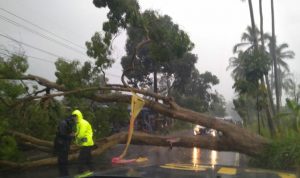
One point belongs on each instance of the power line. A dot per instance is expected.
(41, 59)
(45, 60)
(41, 28)
(33, 47)
(40, 34)
(29, 57)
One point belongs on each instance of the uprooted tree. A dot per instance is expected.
(160, 47)
(234, 138)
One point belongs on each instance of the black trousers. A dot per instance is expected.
(62, 158)
(85, 159)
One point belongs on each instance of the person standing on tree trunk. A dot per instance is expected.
(64, 136)
(84, 138)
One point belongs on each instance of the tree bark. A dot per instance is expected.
(243, 140)
(273, 53)
(270, 95)
(207, 142)
(253, 24)
(263, 50)
(271, 124)
(258, 116)
(269, 98)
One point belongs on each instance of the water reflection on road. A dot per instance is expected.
(196, 156)
(212, 157)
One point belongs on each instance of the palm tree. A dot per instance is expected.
(248, 69)
(269, 92)
(283, 71)
(256, 51)
(247, 40)
(253, 24)
(281, 54)
(273, 54)
(237, 64)
(284, 76)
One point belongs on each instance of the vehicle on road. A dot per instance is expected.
(200, 130)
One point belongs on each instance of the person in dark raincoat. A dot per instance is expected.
(64, 136)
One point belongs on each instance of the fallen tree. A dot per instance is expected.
(139, 138)
(234, 138)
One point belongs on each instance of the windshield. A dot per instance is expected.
(145, 88)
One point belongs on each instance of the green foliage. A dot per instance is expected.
(10, 90)
(247, 40)
(103, 117)
(168, 41)
(167, 51)
(192, 102)
(245, 107)
(100, 50)
(180, 125)
(121, 13)
(3, 125)
(72, 75)
(217, 106)
(257, 64)
(37, 118)
(109, 117)
(9, 150)
(290, 118)
(195, 94)
(13, 66)
(249, 67)
(283, 153)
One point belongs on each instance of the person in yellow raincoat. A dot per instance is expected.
(84, 139)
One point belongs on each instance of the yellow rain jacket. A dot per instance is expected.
(84, 131)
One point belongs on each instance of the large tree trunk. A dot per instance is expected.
(269, 92)
(253, 24)
(270, 95)
(240, 137)
(268, 99)
(273, 53)
(270, 120)
(155, 82)
(155, 89)
(207, 142)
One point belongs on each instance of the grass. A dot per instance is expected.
(283, 153)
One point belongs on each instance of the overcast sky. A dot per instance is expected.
(215, 26)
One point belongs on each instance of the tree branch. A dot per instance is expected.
(4, 102)
(134, 56)
(49, 84)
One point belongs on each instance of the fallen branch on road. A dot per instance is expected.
(139, 138)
